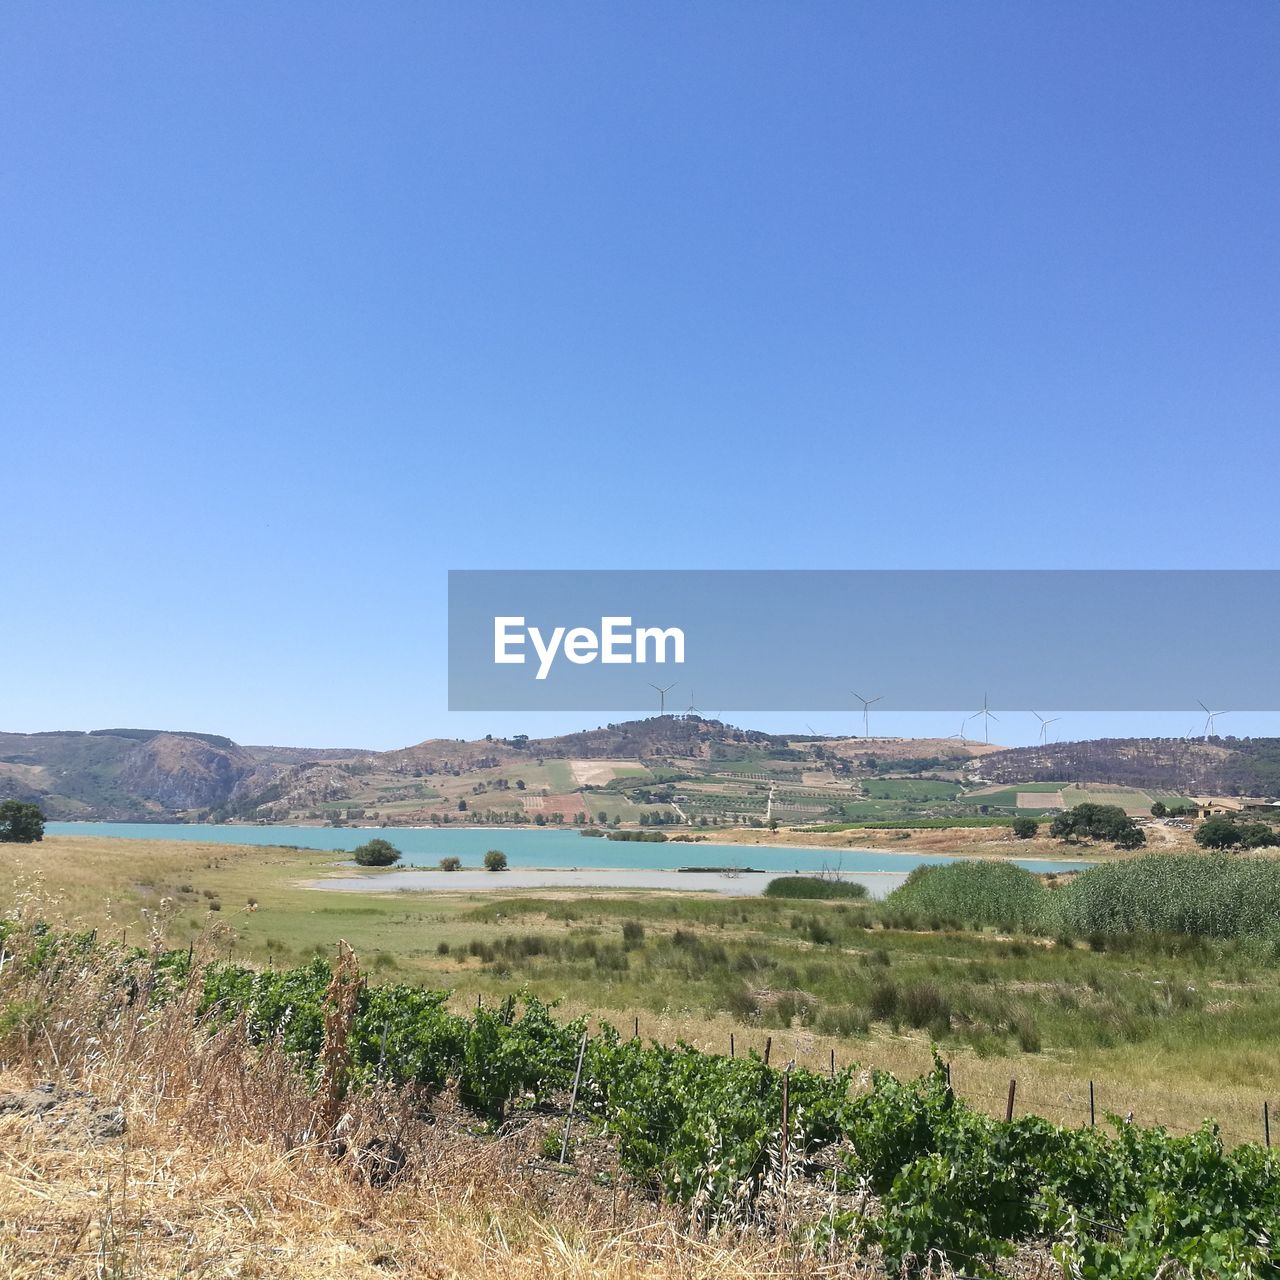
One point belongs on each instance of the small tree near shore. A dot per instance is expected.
(450, 863)
(377, 853)
(20, 823)
(1025, 828)
(495, 860)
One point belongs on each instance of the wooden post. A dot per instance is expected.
(786, 1121)
(573, 1101)
(949, 1088)
(1008, 1111)
(768, 1045)
(635, 1035)
(833, 1064)
(731, 1050)
(479, 1000)
(1093, 1116)
(1266, 1123)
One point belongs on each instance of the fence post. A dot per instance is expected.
(731, 1051)
(635, 1035)
(1008, 1111)
(786, 1120)
(768, 1045)
(1266, 1123)
(573, 1100)
(1093, 1118)
(833, 1064)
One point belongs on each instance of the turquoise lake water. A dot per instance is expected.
(535, 848)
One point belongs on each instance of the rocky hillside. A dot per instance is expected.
(125, 774)
(1221, 766)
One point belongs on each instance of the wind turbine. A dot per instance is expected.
(866, 711)
(1210, 716)
(987, 717)
(1044, 726)
(662, 696)
(691, 710)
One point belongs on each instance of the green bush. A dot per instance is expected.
(1025, 828)
(1199, 895)
(450, 863)
(1098, 822)
(20, 823)
(815, 887)
(968, 894)
(376, 853)
(495, 860)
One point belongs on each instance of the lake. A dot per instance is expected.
(537, 847)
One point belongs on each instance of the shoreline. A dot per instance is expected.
(743, 841)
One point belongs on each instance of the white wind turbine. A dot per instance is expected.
(987, 716)
(692, 710)
(1044, 726)
(1210, 716)
(866, 711)
(662, 696)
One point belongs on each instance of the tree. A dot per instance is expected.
(1098, 822)
(450, 863)
(20, 823)
(1159, 809)
(1260, 835)
(495, 860)
(1219, 833)
(462, 806)
(377, 853)
(1025, 828)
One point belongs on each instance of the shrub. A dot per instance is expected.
(1192, 894)
(451, 863)
(1098, 822)
(1025, 828)
(922, 1004)
(813, 887)
(495, 860)
(376, 853)
(970, 893)
(632, 934)
(20, 823)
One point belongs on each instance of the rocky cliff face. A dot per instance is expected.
(176, 772)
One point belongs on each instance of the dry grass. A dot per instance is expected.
(226, 1169)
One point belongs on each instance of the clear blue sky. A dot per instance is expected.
(303, 305)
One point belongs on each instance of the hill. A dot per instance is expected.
(682, 770)
(1219, 766)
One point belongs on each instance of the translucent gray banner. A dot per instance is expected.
(917, 640)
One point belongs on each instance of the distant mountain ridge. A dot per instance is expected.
(158, 775)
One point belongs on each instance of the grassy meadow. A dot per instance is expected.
(1172, 1028)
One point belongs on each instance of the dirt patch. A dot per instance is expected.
(1040, 800)
(73, 1112)
(595, 773)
